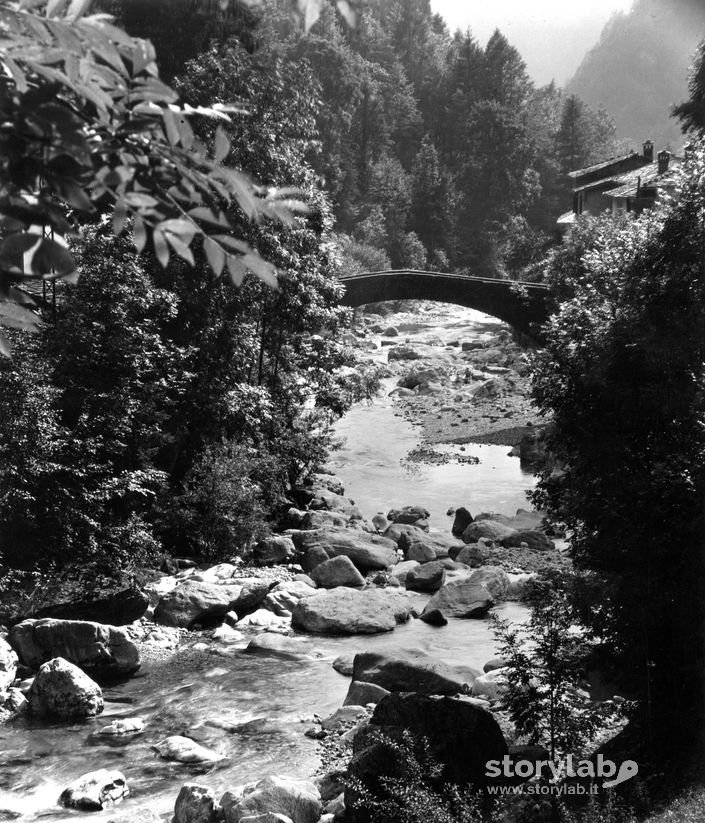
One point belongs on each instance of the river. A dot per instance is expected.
(255, 709)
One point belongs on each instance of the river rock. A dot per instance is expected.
(369, 552)
(338, 571)
(313, 556)
(8, 665)
(461, 737)
(462, 520)
(361, 693)
(490, 685)
(299, 800)
(198, 601)
(329, 501)
(534, 539)
(195, 804)
(426, 578)
(118, 609)
(91, 791)
(401, 570)
(416, 377)
(380, 522)
(425, 547)
(102, 651)
(122, 726)
(285, 595)
(434, 617)
(343, 716)
(63, 691)
(494, 663)
(272, 550)
(395, 531)
(461, 598)
(217, 574)
(408, 514)
(403, 353)
(411, 670)
(322, 519)
(490, 529)
(473, 555)
(278, 645)
(493, 578)
(185, 750)
(350, 611)
(344, 664)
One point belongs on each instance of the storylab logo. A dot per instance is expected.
(567, 767)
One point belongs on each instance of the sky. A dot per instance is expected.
(551, 35)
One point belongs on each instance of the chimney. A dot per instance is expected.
(663, 160)
(649, 151)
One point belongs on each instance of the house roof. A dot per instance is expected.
(647, 177)
(603, 164)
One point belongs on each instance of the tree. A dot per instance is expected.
(692, 112)
(89, 128)
(545, 660)
(622, 378)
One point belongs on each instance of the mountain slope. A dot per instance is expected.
(639, 68)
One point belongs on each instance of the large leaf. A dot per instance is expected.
(215, 255)
(51, 257)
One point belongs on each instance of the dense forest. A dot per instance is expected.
(436, 152)
(413, 148)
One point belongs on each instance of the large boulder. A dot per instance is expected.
(369, 552)
(411, 670)
(61, 690)
(461, 598)
(350, 611)
(274, 549)
(8, 665)
(461, 737)
(299, 800)
(118, 609)
(102, 651)
(91, 791)
(338, 571)
(201, 601)
(195, 804)
(489, 529)
(428, 577)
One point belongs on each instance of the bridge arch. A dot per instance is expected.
(525, 306)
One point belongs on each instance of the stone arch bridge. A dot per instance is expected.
(525, 306)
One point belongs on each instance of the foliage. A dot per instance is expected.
(691, 113)
(227, 495)
(545, 660)
(622, 377)
(419, 795)
(88, 126)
